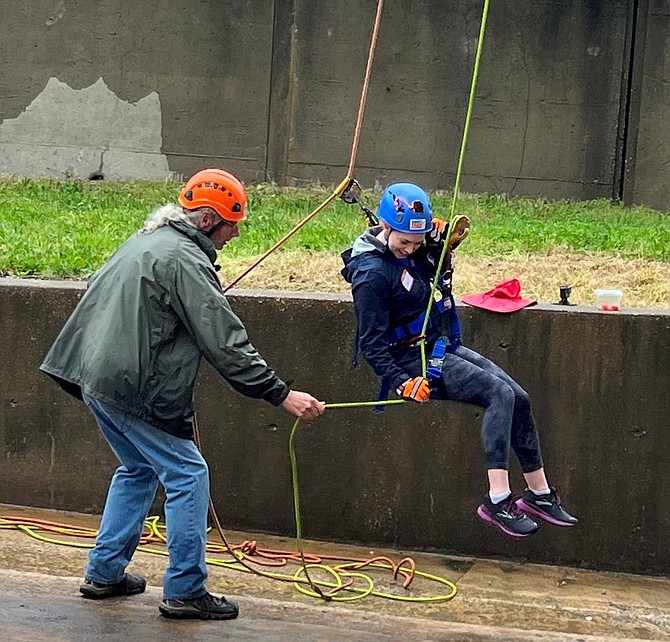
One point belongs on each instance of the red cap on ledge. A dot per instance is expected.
(504, 297)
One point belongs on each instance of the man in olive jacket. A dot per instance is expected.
(131, 351)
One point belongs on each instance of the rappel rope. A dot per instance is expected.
(348, 180)
(457, 182)
(364, 91)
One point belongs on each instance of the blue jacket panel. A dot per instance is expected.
(390, 293)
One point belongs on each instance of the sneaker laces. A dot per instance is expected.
(509, 507)
(553, 494)
(211, 604)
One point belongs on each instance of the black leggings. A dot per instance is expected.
(471, 378)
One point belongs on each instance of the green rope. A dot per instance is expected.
(359, 404)
(294, 463)
(341, 570)
(457, 182)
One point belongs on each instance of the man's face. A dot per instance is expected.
(218, 230)
(403, 244)
(223, 233)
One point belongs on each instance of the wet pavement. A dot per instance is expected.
(497, 600)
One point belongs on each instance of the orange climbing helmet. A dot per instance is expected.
(216, 189)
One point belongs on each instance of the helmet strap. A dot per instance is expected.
(212, 230)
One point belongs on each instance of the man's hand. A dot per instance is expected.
(303, 405)
(417, 389)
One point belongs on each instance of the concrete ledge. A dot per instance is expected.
(410, 477)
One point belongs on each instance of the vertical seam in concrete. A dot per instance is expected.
(272, 75)
(629, 105)
(281, 91)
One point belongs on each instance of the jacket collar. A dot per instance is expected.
(203, 242)
(368, 242)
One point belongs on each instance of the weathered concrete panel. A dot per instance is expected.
(208, 63)
(409, 477)
(648, 182)
(545, 117)
(84, 133)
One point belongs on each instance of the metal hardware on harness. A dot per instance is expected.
(352, 195)
(460, 229)
(352, 192)
(436, 360)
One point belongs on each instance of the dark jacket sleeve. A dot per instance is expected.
(371, 298)
(199, 302)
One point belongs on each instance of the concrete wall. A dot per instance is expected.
(204, 69)
(409, 477)
(647, 174)
(270, 90)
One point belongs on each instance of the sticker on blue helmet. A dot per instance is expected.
(417, 224)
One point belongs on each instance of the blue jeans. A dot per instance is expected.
(149, 456)
(469, 377)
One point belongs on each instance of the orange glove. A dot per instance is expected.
(417, 389)
(438, 231)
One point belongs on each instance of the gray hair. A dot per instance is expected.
(172, 212)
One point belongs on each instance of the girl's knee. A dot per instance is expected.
(504, 394)
(522, 400)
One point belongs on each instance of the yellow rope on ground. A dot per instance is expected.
(340, 573)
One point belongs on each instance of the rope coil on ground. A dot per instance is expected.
(339, 573)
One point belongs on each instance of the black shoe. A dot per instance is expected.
(205, 607)
(506, 517)
(128, 585)
(546, 507)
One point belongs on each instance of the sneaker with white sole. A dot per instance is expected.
(205, 607)
(547, 507)
(506, 517)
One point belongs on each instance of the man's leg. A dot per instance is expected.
(183, 472)
(130, 496)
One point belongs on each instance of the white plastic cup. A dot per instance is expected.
(608, 300)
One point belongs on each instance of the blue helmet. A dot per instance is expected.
(405, 207)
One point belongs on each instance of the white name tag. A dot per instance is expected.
(407, 280)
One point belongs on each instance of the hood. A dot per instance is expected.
(366, 244)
